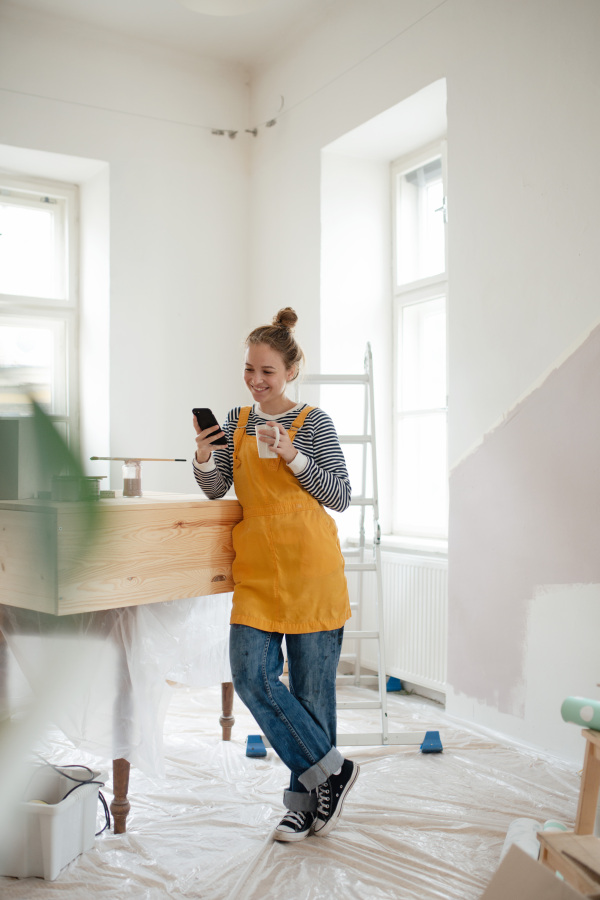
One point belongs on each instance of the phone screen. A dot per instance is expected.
(205, 419)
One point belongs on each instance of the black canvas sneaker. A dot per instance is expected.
(330, 797)
(294, 826)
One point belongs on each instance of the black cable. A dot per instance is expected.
(106, 813)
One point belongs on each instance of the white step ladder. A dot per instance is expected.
(362, 560)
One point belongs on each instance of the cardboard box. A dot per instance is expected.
(519, 877)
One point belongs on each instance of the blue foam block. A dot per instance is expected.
(255, 746)
(393, 684)
(431, 742)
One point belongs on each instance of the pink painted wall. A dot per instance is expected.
(524, 512)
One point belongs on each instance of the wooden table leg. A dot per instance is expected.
(120, 805)
(4, 689)
(227, 721)
(590, 784)
(123, 713)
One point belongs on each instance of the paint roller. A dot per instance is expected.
(523, 833)
(582, 712)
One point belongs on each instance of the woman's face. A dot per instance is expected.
(266, 378)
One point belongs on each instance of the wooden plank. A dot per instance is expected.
(576, 857)
(28, 576)
(150, 499)
(145, 550)
(145, 554)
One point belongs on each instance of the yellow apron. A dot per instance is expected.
(288, 569)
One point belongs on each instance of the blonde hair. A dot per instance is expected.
(279, 337)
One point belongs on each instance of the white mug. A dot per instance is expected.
(264, 451)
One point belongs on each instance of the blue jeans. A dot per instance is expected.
(300, 723)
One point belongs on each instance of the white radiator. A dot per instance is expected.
(415, 605)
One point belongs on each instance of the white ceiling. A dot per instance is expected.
(244, 31)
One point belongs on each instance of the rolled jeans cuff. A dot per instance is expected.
(320, 772)
(300, 802)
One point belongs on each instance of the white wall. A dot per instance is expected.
(178, 218)
(523, 91)
(356, 266)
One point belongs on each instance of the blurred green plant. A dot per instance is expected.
(54, 457)
(51, 456)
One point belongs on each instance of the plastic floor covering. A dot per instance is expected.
(415, 825)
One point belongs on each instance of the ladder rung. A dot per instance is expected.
(358, 704)
(358, 680)
(336, 379)
(360, 740)
(362, 501)
(355, 438)
(360, 567)
(358, 635)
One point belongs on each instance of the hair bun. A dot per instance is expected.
(285, 318)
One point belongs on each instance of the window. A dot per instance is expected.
(38, 298)
(420, 289)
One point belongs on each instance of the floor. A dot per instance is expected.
(415, 826)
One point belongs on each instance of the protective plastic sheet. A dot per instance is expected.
(118, 663)
(414, 826)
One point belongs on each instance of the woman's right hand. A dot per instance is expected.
(204, 440)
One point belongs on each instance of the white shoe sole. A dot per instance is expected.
(289, 836)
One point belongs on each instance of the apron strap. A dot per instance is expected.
(299, 422)
(240, 430)
(243, 417)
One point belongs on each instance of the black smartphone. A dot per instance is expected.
(205, 419)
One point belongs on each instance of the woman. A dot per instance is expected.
(288, 573)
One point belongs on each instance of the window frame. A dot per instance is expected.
(404, 295)
(62, 312)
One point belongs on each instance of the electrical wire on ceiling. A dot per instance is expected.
(220, 132)
(230, 132)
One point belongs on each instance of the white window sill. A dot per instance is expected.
(433, 547)
(421, 545)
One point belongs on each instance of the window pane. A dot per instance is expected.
(27, 364)
(29, 249)
(422, 492)
(422, 345)
(420, 223)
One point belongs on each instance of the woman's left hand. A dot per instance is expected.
(285, 449)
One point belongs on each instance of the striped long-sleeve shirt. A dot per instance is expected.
(319, 466)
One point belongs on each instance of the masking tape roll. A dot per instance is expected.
(523, 833)
(582, 711)
(553, 826)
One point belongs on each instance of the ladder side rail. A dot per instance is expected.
(361, 575)
(377, 543)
